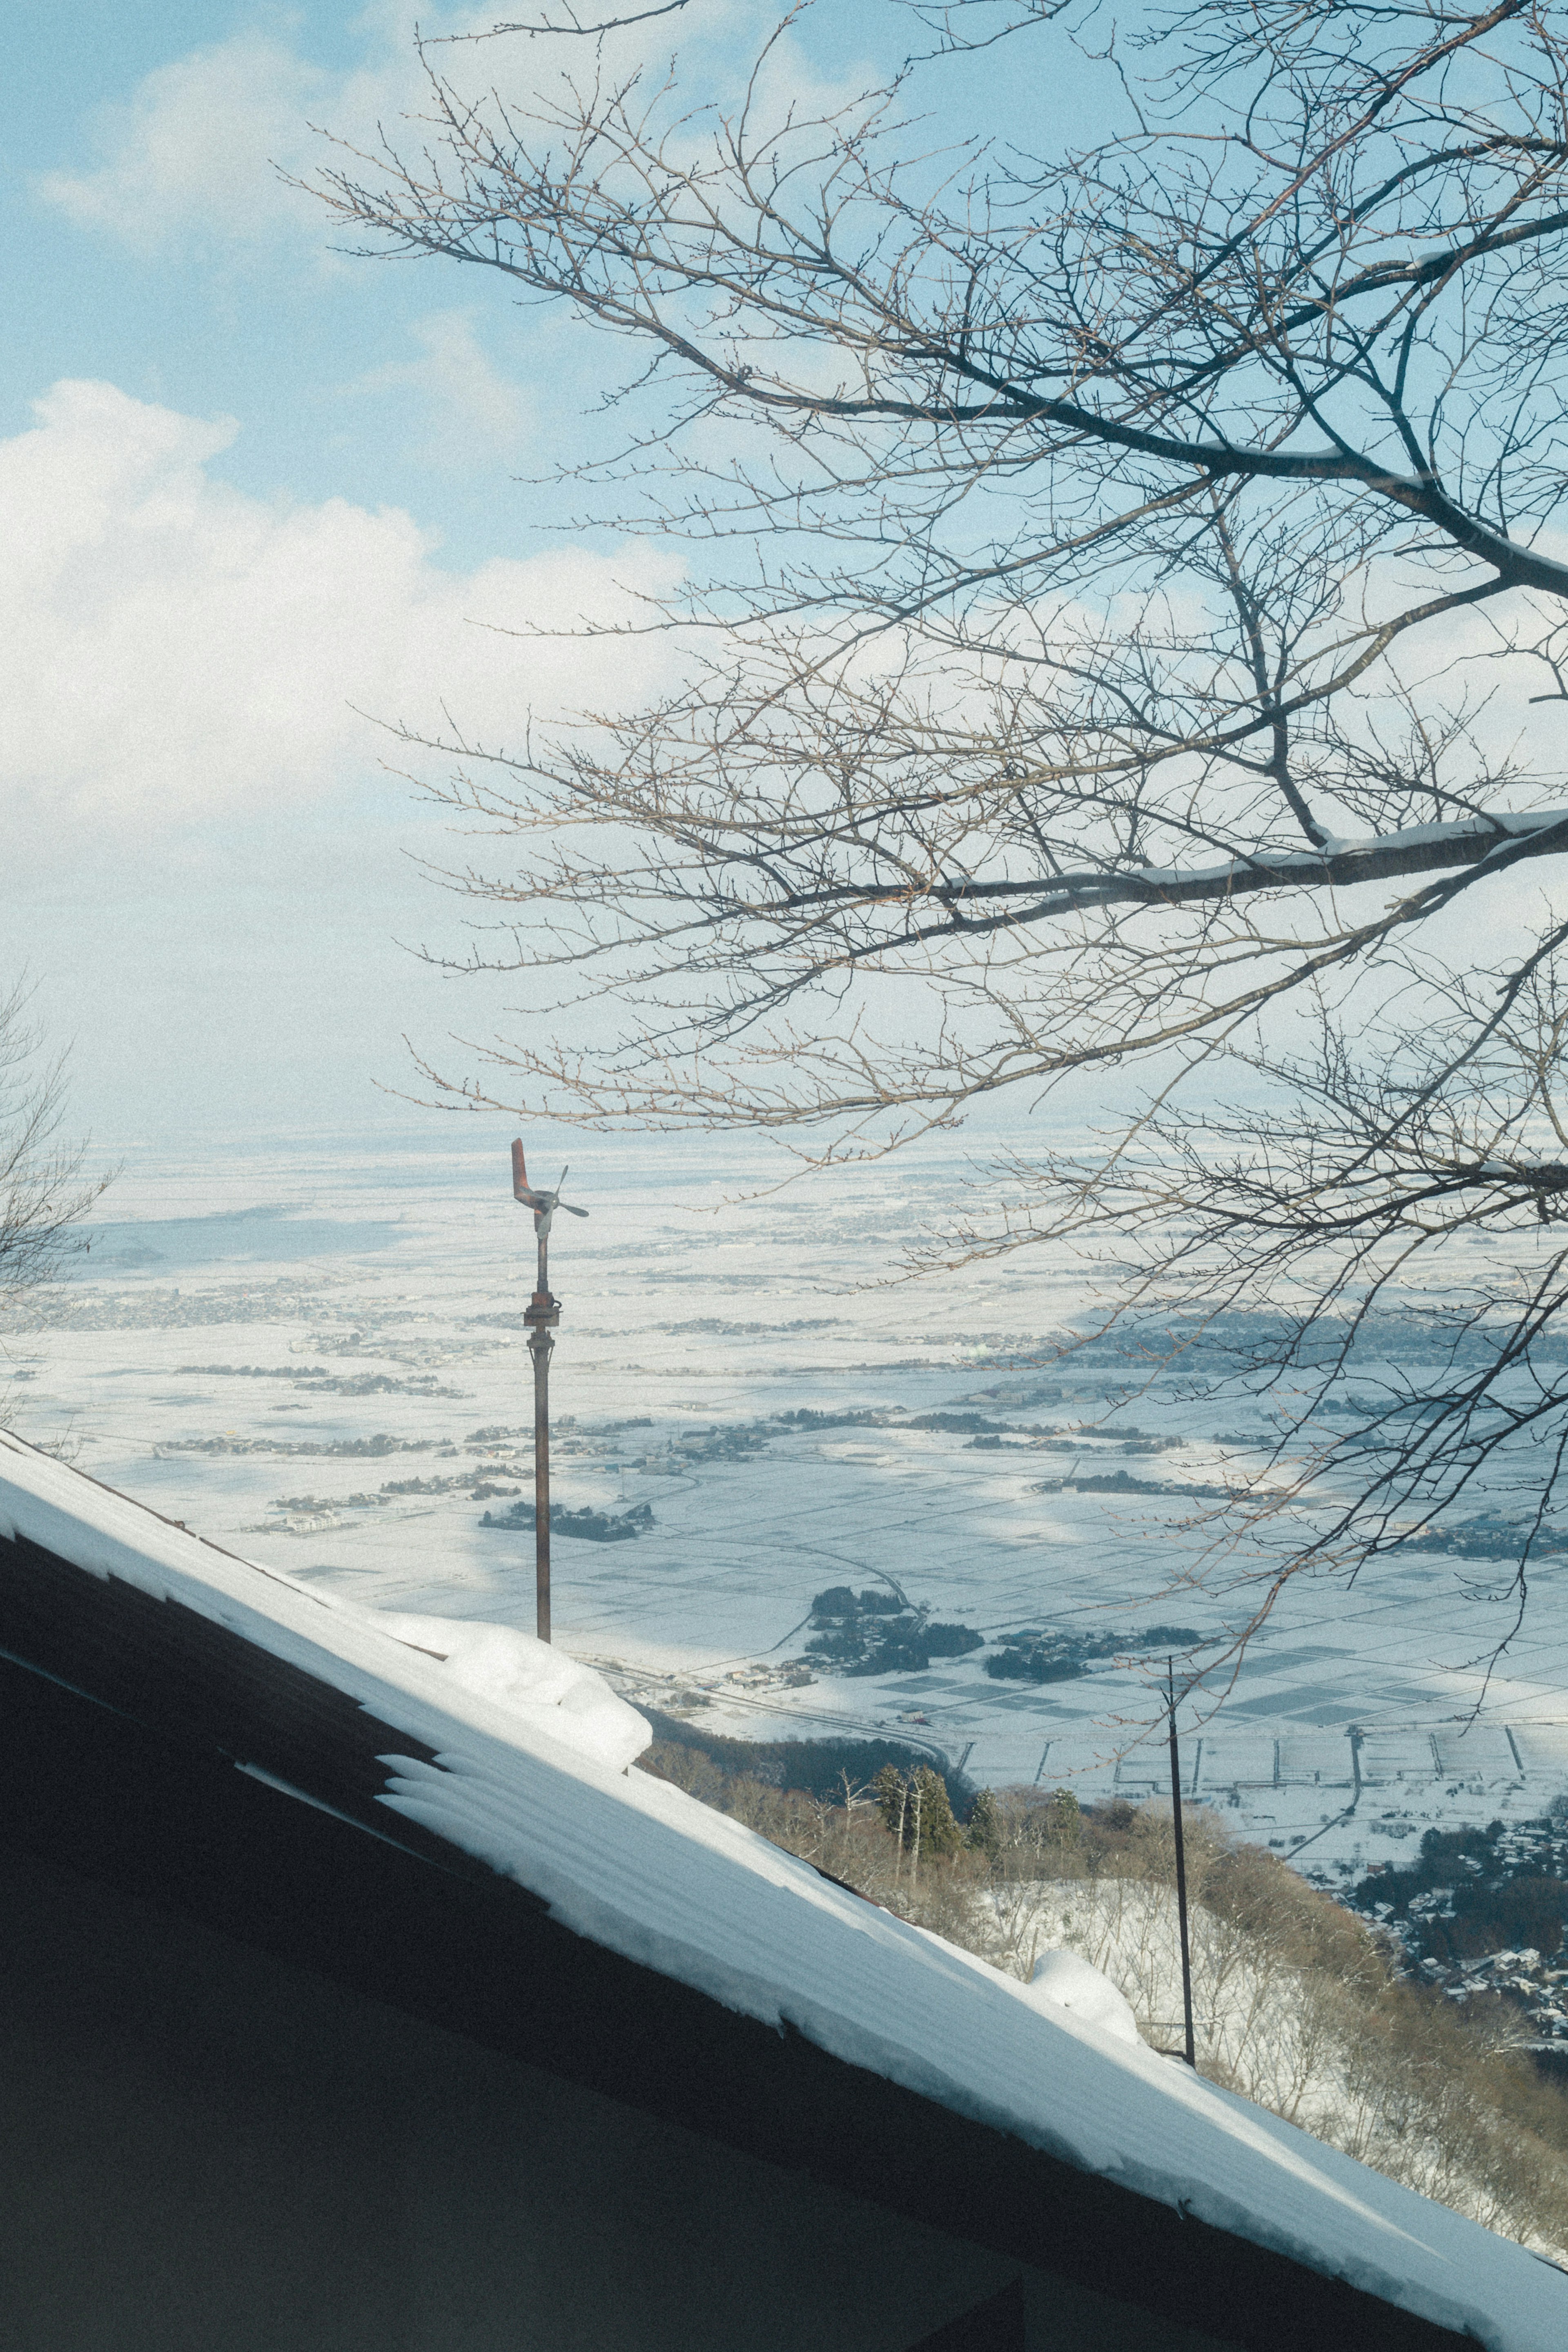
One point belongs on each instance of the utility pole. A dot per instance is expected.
(1190, 2050)
(542, 1319)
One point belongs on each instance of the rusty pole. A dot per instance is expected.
(541, 1320)
(1191, 2051)
(542, 1317)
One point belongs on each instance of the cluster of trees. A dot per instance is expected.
(1039, 1655)
(819, 1771)
(876, 1632)
(594, 1526)
(1125, 637)
(916, 1813)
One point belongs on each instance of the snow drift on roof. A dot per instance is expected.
(531, 1679)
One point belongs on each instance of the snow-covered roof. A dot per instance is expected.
(530, 1777)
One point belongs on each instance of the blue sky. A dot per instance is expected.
(259, 495)
(166, 256)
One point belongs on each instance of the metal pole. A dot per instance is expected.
(542, 1316)
(1190, 2052)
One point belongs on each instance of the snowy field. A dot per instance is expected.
(315, 1355)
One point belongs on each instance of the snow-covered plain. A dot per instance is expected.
(238, 1316)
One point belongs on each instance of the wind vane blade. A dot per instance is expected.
(543, 1204)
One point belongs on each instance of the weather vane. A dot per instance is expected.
(543, 1315)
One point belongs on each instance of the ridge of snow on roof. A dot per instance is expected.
(636, 1864)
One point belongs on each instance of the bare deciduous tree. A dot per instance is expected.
(42, 1192)
(1128, 576)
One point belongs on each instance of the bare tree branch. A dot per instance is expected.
(568, 22)
(1106, 572)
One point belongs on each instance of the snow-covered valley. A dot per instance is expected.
(313, 1354)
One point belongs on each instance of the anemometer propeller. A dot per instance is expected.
(543, 1204)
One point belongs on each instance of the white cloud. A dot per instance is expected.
(201, 146)
(177, 647)
(197, 146)
(473, 408)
